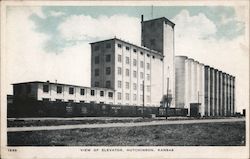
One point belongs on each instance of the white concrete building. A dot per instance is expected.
(47, 91)
(124, 67)
(199, 83)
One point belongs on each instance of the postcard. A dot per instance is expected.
(125, 79)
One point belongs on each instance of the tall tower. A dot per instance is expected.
(158, 34)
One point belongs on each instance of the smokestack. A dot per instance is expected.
(142, 18)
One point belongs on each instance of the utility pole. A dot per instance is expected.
(143, 99)
(167, 99)
(198, 97)
(152, 12)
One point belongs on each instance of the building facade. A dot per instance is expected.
(212, 89)
(47, 91)
(137, 73)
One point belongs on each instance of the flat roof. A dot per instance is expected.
(162, 18)
(48, 82)
(128, 43)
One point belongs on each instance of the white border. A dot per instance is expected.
(74, 152)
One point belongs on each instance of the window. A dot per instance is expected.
(59, 89)
(119, 45)
(148, 88)
(119, 58)
(127, 48)
(82, 101)
(92, 92)
(101, 93)
(108, 45)
(119, 96)
(141, 87)
(141, 64)
(127, 96)
(58, 100)
(134, 62)
(96, 84)
(148, 66)
(96, 72)
(45, 88)
(127, 60)
(82, 91)
(153, 57)
(148, 55)
(134, 97)
(141, 75)
(108, 58)
(148, 77)
(127, 85)
(127, 72)
(119, 70)
(141, 53)
(108, 70)
(110, 94)
(97, 48)
(119, 84)
(71, 90)
(134, 50)
(134, 86)
(97, 60)
(108, 84)
(134, 74)
(71, 101)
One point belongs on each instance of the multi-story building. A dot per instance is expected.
(212, 89)
(131, 70)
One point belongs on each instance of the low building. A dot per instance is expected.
(198, 84)
(48, 91)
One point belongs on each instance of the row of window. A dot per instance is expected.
(107, 59)
(127, 73)
(97, 47)
(107, 84)
(71, 100)
(71, 91)
(127, 86)
(135, 50)
(119, 97)
(127, 61)
(107, 71)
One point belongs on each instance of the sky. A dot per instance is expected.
(52, 42)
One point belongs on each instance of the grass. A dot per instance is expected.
(205, 134)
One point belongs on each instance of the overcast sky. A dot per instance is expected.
(52, 43)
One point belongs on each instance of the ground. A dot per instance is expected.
(199, 134)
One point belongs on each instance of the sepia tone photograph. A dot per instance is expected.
(140, 77)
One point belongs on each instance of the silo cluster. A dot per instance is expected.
(213, 91)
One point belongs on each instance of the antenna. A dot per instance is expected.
(152, 11)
